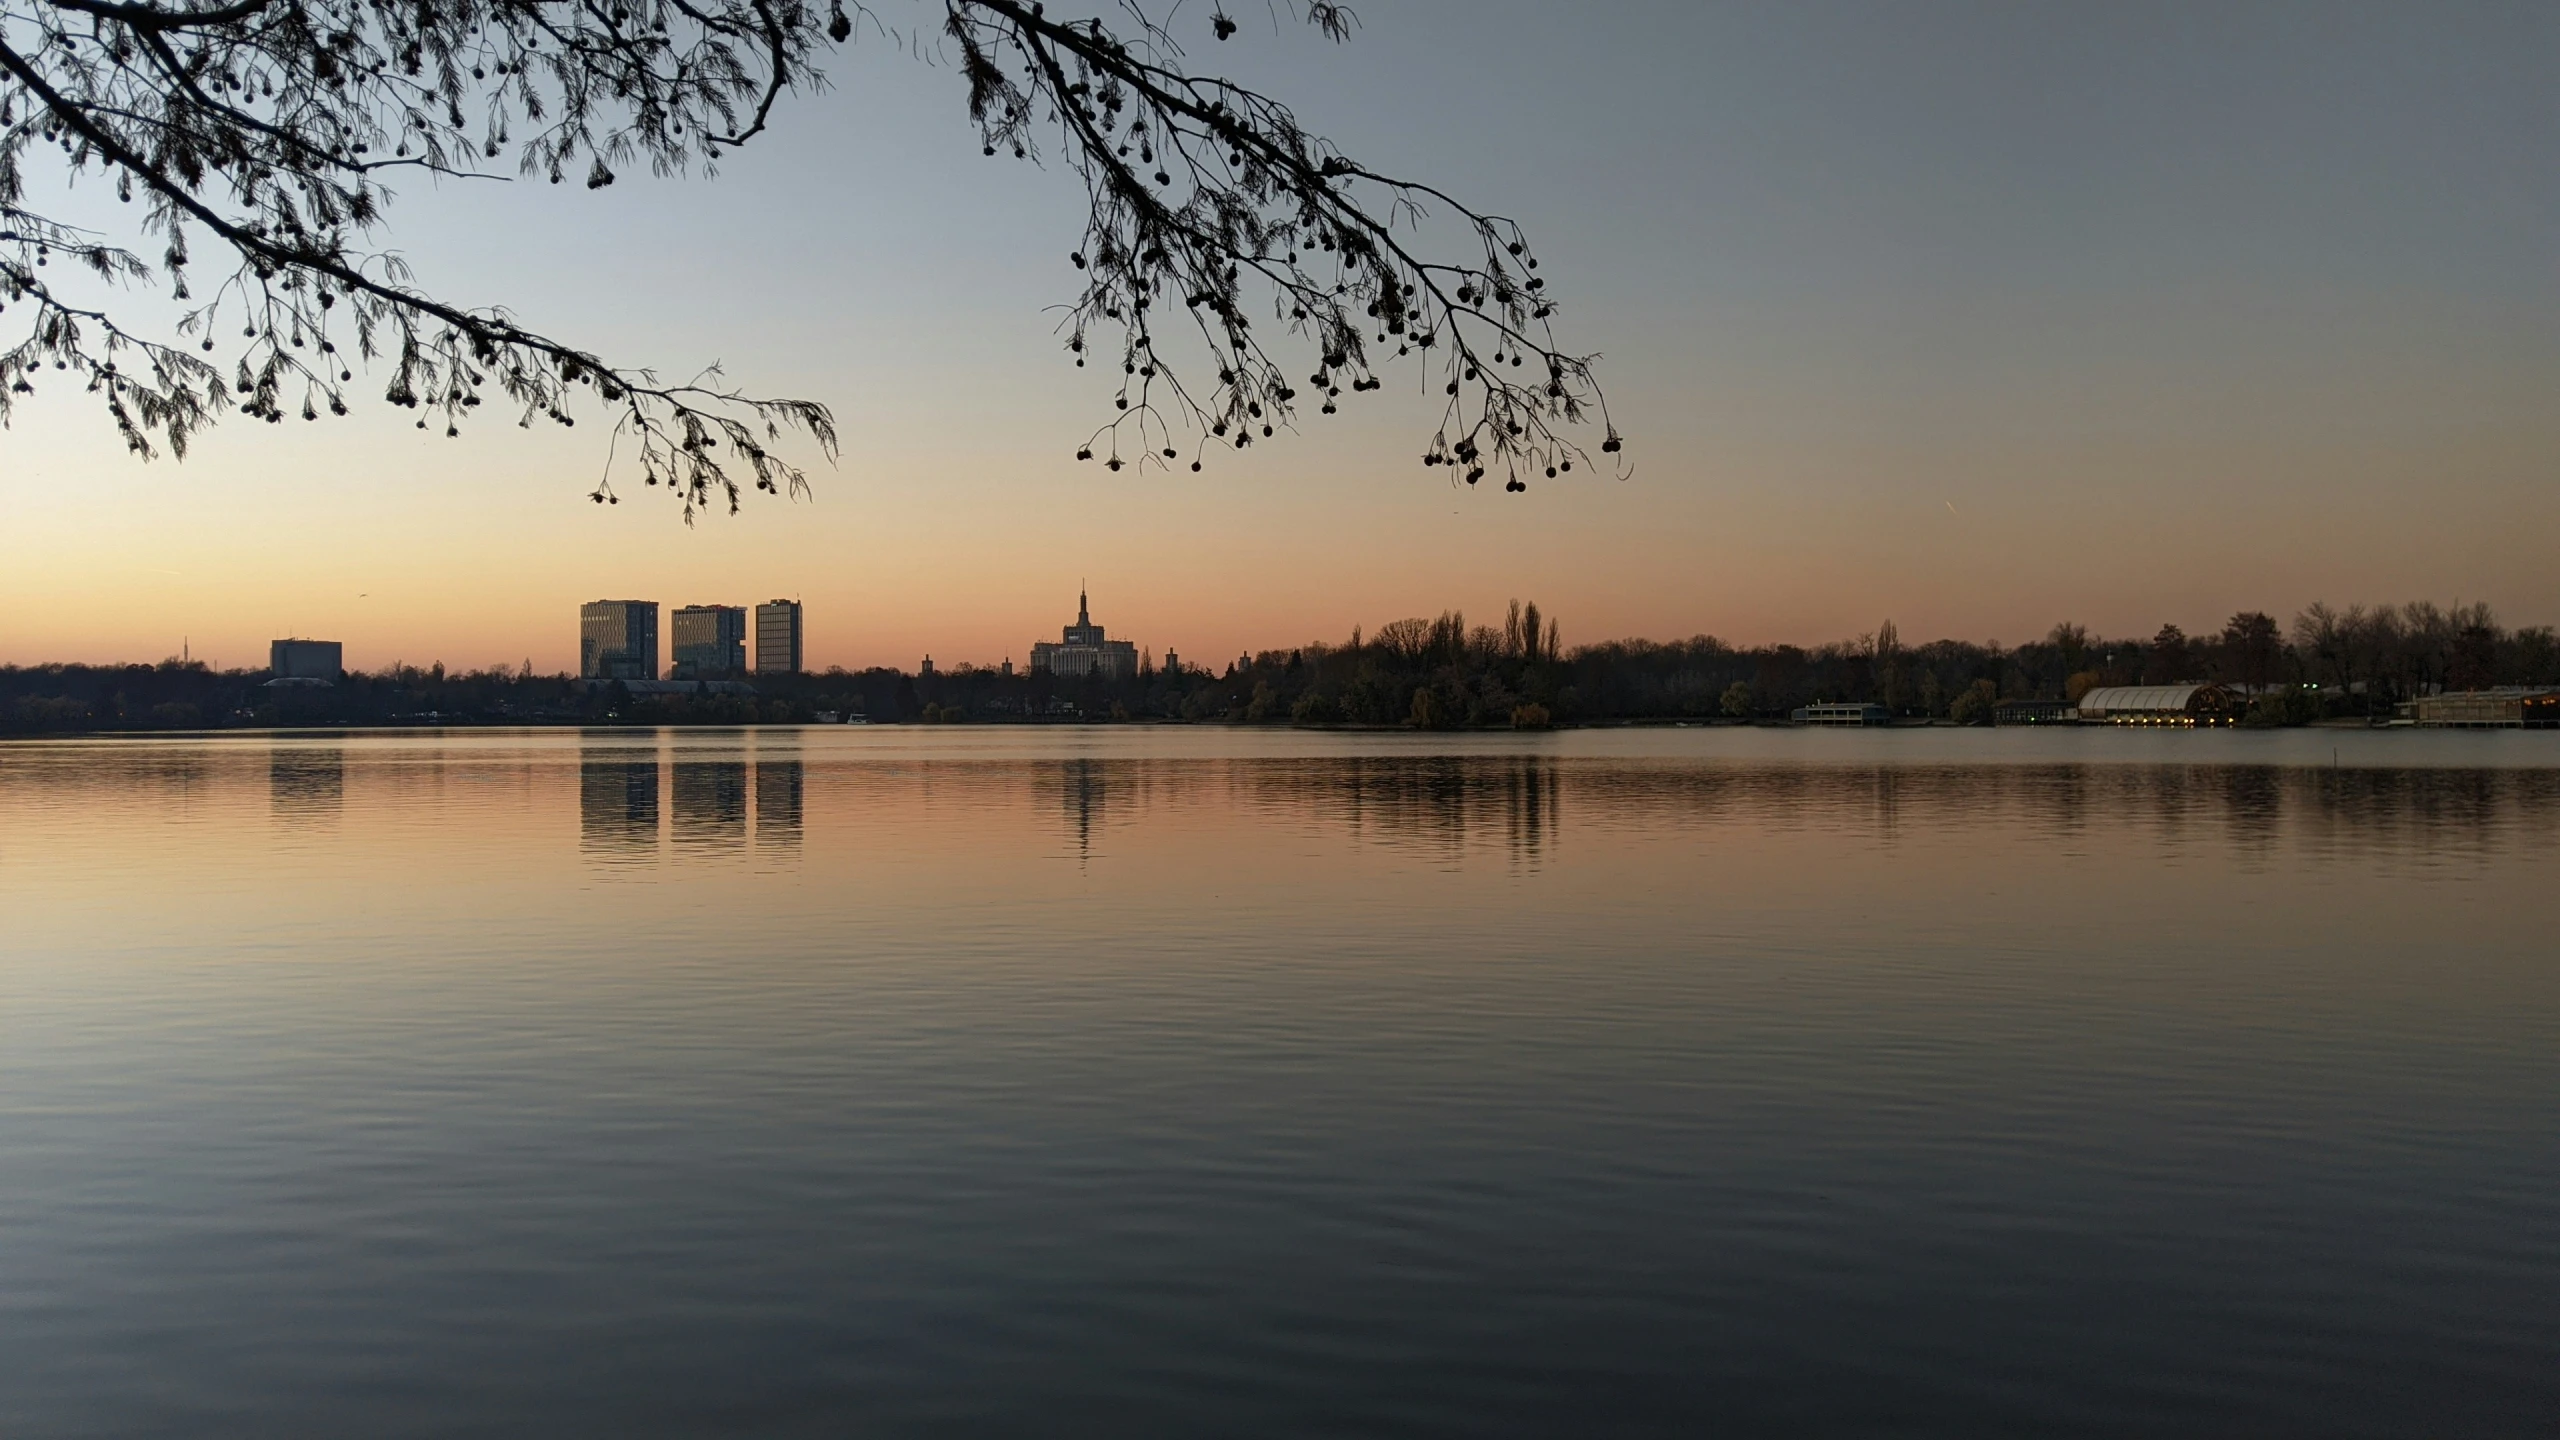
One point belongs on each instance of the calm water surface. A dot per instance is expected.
(1199, 1082)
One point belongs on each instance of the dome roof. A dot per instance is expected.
(2156, 699)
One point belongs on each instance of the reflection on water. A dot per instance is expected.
(711, 804)
(779, 786)
(1440, 802)
(1183, 1082)
(1084, 796)
(781, 783)
(618, 800)
(306, 784)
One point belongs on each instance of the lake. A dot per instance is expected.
(1191, 1080)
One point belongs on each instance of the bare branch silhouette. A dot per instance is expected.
(259, 129)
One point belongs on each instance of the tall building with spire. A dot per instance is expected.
(1083, 650)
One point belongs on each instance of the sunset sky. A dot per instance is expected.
(1974, 317)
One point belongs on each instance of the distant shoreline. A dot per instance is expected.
(460, 723)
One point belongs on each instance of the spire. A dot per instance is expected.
(1082, 615)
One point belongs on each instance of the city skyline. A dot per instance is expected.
(366, 655)
(618, 640)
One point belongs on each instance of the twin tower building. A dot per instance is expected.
(618, 640)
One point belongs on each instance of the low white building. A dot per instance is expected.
(2159, 705)
(2508, 707)
(1842, 714)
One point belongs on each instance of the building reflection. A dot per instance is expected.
(618, 800)
(1085, 793)
(306, 784)
(780, 788)
(711, 804)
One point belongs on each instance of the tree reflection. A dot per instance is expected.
(1439, 803)
(306, 784)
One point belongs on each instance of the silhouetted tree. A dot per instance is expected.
(2071, 644)
(1406, 642)
(1976, 705)
(2474, 665)
(1225, 248)
(2320, 638)
(2167, 661)
(2252, 647)
(2531, 656)
(1888, 666)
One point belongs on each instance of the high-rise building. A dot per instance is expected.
(778, 637)
(710, 641)
(1083, 650)
(306, 660)
(618, 640)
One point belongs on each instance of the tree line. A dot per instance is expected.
(2361, 660)
(1435, 673)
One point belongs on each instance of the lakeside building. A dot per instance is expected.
(2507, 707)
(1842, 715)
(1082, 650)
(2159, 705)
(2033, 712)
(778, 638)
(618, 640)
(709, 640)
(320, 660)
